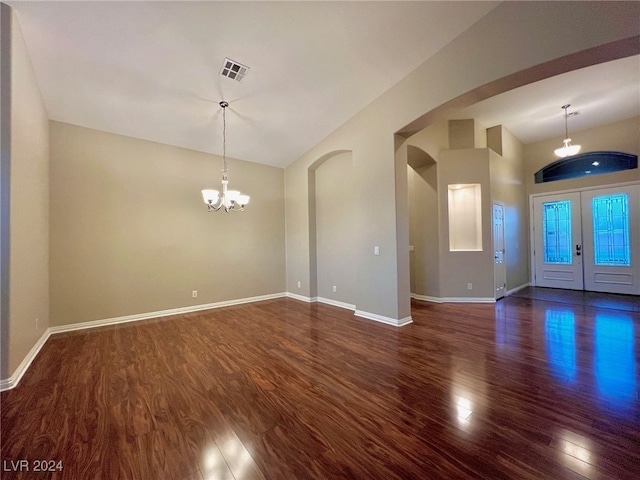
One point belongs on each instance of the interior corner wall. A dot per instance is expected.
(512, 32)
(334, 228)
(424, 230)
(622, 136)
(5, 169)
(29, 206)
(508, 187)
(130, 233)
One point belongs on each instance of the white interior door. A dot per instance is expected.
(611, 229)
(557, 237)
(500, 266)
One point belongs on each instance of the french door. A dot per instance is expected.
(588, 240)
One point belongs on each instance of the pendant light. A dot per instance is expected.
(567, 149)
(230, 200)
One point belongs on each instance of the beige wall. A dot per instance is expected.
(29, 207)
(424, 231)
(507, 186)
(334, 228)
(457, 269)
(622, 136)
(512, 34)
(130, 233)
(5, 166)
(128, 230)
(422, 190)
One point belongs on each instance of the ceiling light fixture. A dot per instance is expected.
(231, 200)
(567, 149)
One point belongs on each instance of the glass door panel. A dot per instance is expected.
(611, 228)
(558, 241)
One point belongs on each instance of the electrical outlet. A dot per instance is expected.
(376, 250)
(194, 293)
(299, 285)
(469, 286)
(334, 289)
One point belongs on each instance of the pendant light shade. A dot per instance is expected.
(567, 149)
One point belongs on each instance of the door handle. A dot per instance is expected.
(578, 250)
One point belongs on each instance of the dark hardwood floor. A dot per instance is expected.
(527, 388)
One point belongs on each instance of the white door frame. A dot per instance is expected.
(503, 261)
(532, 265)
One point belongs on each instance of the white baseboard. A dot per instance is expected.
(302, 298)
(336, 303)
(162, 313)
(13, 380)
(453, 299)
(358, 313)
(426, 298)
(388, 320)
(517, 289)
(468, 300)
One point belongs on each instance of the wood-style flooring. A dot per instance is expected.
(528, 388)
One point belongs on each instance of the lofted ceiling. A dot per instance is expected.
(599, 94)
(151, 70)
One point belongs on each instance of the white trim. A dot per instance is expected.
(388, 320)
(13, 380)
(302, 298)
(454, 299)
(584, 189)
(468, 299)
(518, 288)
(336, 303)
(358, 313)
(426, 298)
(532, 271)
(161, 313)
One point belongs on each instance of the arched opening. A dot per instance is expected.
(331, 231)
(424, 232)
(505, 184)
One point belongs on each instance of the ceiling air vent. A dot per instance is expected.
(233, 70)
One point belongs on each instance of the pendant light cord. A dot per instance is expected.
(224, 106)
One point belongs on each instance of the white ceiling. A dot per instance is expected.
(600, 94)
(151, 70)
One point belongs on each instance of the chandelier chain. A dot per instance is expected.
(224, 139)
(566, 128)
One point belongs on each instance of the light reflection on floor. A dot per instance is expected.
(507, 328)
(560, 342)
(614, 359)
(610, 348)
(575, 452)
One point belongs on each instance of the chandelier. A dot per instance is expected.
(230, 200)
(567, 149)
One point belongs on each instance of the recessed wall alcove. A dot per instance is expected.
(451, 192)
